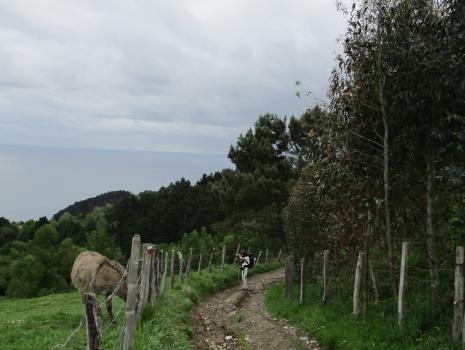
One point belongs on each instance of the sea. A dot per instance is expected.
(38, 181)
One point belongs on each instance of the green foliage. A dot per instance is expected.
(164, 216)
(86, 206)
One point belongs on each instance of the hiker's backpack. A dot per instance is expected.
(252, 260)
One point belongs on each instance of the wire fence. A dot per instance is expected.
(366, 281)
(157, 272)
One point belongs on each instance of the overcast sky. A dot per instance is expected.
(165, 76)
(158, 75)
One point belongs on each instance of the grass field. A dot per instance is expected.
(47, 322)
(334, 325)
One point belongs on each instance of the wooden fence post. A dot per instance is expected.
(258, 258)
(279, 255)
(144, 279)
(373, 281)
(302, 280)
(457, 323)
(289, 269)
(130, 328)
(358, 277)
(325, 277)
(223, 255)
(237, 253)
(92, 323)
(156, 276)
(165, 272)
(200, 264)
(402, 284)
(210, 262)
(180, 267)
(189, 263)
(172, 269)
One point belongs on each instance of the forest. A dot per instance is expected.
(382, 162)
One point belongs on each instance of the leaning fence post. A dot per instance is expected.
(289, 270)
(92, 323)
(144, 279)
(200, 264)
(156, 276)
(180, 267)
(165, 271)
(210, 262)
(457, 323)
(189, 263)
(130, 328)
(266, 256)
(258, 258)
(325, 277)
(373, 281)
(358, 277)
(223, 256)
(237, 253)
(302, 280)
(172, 269)
(279, 255)
(402, 284)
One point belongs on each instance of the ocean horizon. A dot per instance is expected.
(38, 181)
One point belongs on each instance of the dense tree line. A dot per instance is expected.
(389, 152)
(86, 206)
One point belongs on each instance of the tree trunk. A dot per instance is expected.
(431, 241)
(386, 166)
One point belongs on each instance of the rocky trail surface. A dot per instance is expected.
(235, 319)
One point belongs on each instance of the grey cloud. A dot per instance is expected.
(69, 68)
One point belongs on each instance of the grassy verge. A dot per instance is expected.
(167, 324)
(334, 326)
(46, 322)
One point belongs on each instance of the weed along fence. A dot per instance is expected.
(150, 272)
(366, 281)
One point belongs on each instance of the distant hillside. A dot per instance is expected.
(88, 205)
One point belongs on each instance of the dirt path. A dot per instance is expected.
(233, 319)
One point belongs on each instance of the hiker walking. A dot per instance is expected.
(244, 260)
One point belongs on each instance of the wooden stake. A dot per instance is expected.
(402, 284)
(258, 258)
(237, 253)
(289, 270)
(223, 255)
(210, 262)
(130, 328)
(325, 277)
(302, 280)
(358, 277)
(279, 255)
(144, 280)
(189, 263)
(373, 281)
(457, 323)
(172, 269)
(266, 257)
(180, 267)
(165, 272)
(92, 323)
(200, 264)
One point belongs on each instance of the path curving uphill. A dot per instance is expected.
(233, 319)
